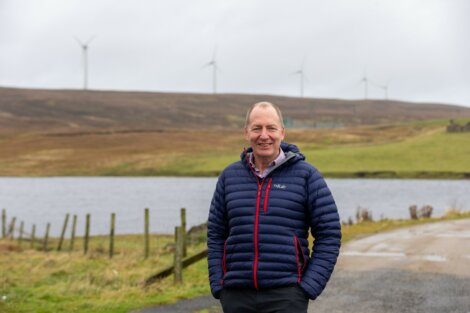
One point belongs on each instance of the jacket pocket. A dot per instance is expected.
(300, 258)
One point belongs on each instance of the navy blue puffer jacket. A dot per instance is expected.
(258, 228)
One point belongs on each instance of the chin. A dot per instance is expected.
(264, 153)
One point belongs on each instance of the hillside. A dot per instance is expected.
(25, 110)
(415, 149)
(73, 132)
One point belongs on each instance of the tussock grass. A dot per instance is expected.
(34, 281)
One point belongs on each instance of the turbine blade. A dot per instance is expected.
(211, 63)
(214, 52)
(303, 62)
(90, 40)
(78, 41)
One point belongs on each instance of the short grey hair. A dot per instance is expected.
(264, 104)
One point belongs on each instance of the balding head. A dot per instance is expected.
(264, 104)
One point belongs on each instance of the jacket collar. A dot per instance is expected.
(291, 151)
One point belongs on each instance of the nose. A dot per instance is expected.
(264, 133)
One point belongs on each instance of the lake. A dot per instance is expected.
(42, 200)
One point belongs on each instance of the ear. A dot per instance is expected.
(283, 134)
(247, 135)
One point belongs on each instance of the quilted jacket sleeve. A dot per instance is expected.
(217, 232)
(326, 229)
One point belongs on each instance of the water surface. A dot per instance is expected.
(42, 200)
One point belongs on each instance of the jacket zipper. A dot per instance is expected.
(255, 235)
(266, 195)
(255, 263)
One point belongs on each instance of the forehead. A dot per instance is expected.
(264, 115)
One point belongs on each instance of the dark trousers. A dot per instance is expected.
(275, 300)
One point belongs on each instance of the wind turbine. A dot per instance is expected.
(383, 87)
(84, 47)
(365, 81)
(213, 63)
(301, 73)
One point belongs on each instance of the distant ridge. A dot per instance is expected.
(78, 110)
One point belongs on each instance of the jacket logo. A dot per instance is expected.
(279, 186)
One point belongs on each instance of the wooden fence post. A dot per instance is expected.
(146, 234)
(46, 237)
(33, 234)
(87, 234)
(20, 237)
(183, 226)
(4, 223)
(178, 259)
(169, 270)
(64, 228)
(11, 231)
(111, 235)
(72, 237)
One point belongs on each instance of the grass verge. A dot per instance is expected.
(34, 281)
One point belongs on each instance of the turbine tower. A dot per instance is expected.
(301, 73)
(213, 63)
(383, 87)
(84, 47)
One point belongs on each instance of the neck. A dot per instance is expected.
(262, 163)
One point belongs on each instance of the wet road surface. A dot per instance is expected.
(422, 269)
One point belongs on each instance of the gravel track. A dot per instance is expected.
(423, 269)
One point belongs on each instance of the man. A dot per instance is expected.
(260, 215)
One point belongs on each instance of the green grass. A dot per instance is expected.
(432, 153)
(437, 153)
(34, 281)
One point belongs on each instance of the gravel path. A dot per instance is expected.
(423, 269)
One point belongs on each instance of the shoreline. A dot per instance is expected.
(360, 174)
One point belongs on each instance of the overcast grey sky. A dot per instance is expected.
(420, 47)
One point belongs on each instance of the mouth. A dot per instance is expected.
(264, 144)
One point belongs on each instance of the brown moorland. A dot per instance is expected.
(73, 132)
(81, 111)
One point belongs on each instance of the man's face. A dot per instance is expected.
(264, 133)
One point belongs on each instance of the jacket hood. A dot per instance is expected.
(286, 147)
